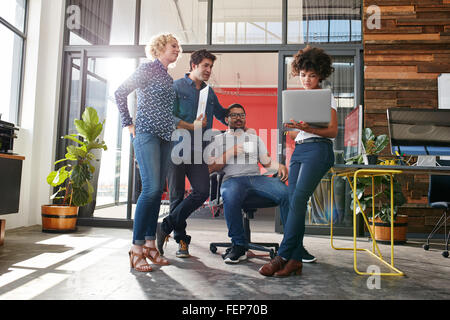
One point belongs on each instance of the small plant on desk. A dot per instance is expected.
(373, 146)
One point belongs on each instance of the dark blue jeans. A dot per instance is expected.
(235, 190)
(153, 155)
(180, 207)
(309, 163)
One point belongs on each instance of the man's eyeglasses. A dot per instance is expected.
(237, 115)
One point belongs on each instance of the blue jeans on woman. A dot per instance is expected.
(153, 155)
(236, 189)
(309, 163)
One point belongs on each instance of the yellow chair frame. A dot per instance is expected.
(367, 173)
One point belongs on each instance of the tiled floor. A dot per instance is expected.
(93, 264)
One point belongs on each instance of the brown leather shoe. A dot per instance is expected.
(273, 266)
(291, 267)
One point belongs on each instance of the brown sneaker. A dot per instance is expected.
(273, 266)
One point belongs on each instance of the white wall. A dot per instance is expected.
(41, 90)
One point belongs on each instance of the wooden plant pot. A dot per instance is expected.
(59, 219)
(383, 230)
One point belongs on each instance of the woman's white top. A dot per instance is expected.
(302, 135)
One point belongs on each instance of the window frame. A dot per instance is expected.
(23, 36)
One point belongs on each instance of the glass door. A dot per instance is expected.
(91, 82)
(104, 76)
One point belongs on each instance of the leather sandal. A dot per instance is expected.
(153, 254)
(142, 268)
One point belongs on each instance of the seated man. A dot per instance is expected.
(237, 153)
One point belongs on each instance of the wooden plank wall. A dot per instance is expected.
(402, 62)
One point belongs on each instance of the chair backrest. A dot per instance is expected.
(439, 188)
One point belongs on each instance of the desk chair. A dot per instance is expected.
(439, 197)
(251, 204)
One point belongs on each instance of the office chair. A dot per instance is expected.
(439, 197)
(251, 204)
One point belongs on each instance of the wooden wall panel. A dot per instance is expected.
(402, 62)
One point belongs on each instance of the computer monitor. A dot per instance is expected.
(418, 132)
(353, 133)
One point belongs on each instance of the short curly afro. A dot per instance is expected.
(312, 59)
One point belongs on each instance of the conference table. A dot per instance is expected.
(352, 173)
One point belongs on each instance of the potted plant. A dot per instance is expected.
(73, 178)
(381, 198)
(373, 145)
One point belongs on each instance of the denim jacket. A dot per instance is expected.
(186, 103)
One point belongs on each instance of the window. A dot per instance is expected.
(318, 21)
(102, 22)
(186, 19)
(12, 38)
(247, 22)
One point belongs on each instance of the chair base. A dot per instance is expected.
(441, 223)
(259, 246)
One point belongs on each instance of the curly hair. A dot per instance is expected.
(312, 59)
(158, 44)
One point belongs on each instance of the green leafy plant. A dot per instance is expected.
(382, 196)
(373, 145)
(73, 179)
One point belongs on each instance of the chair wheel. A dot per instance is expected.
(213, 248)
(272, 254)
(445, 254)
(426, 247)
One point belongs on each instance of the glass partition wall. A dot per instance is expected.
(253, 40)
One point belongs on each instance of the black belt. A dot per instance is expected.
(314, 140)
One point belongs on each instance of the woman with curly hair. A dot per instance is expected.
(312, 158)
(151, 137)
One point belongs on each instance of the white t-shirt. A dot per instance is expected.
(302, 135)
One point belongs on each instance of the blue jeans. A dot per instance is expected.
(153, 155)
(235, 190)
(309, 163)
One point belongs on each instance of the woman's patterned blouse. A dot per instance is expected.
(155, 98)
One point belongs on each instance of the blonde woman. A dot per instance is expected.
(151, 136)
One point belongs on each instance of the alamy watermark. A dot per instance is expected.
(209, 146)
(374, 281)
(373, 17)
(74, 19)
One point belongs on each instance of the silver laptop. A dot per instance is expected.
(310, 106)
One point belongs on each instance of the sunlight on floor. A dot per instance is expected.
(79, 254)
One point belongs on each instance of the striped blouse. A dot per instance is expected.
(155, 99)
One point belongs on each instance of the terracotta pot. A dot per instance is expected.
(59, 219)
(383, 230)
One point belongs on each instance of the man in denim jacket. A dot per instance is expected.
(188, 94)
